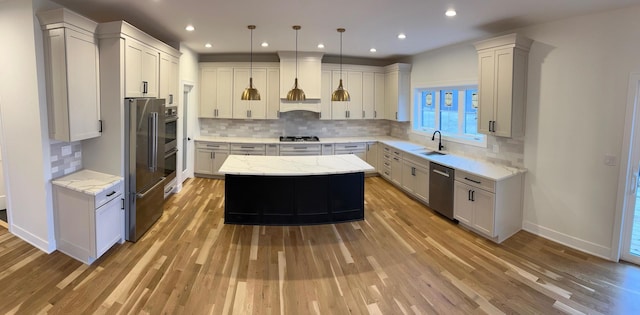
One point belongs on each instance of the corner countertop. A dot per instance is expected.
(294, 165)
(87, 181)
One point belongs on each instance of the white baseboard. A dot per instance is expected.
(598, 250)
(38, 242)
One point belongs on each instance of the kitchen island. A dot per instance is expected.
(294, 190)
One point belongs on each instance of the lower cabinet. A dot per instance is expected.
(209, 157)
(88, 225)
(372, 154)
(490, 208)
(415, 179)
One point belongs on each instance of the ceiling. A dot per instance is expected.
(368, 23)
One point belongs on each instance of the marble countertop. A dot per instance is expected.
(277, 140)
(294, 165)
(88, 181)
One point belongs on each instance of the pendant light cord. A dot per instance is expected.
(251, 58)
(340, 55)
(296, 54)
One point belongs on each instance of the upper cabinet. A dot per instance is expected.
(169, 73)
(249, 109)
(141, 69)
(502, 68)
(216, 92)
(397, 92)
(72, 75)
(308, 70)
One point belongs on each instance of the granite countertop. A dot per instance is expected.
(294, 165)
(87, 181)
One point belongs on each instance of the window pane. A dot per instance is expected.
(471, 112)
(428, 109)
(449, 111)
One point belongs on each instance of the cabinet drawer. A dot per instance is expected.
(309, 148)
(476, 181)
(272, 149)
(353, 147)
(248, 147)
(108, 194)
(212, 145)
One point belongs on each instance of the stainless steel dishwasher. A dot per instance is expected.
(441, 189)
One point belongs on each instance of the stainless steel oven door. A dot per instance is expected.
(170, 133)
(170, 164)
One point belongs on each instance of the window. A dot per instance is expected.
(452, 110)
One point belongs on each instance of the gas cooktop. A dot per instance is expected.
(299, 139)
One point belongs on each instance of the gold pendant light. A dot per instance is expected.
(340, 94)
(251, 93)
(296, 94)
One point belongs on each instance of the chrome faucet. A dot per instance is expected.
(433, 137)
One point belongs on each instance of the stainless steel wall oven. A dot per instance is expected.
(170, 142)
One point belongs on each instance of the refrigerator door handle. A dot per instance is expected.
(141, 195)
(153, 142)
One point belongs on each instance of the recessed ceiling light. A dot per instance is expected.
(208, 45)
(450, 13)
(264, 44)
(372, 50)
(402, 36)
(190, 28)
(321, 45)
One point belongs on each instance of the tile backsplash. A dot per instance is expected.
(303, 123)
(294, 123)
(66, 158)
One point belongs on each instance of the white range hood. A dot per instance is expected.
(309, 79)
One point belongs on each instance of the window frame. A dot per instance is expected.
(479, 140)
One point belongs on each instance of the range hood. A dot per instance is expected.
(309, 79)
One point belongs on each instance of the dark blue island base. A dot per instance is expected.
(294, 200)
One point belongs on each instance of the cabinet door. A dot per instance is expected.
(82, 86)
(273, 94)
(219, 158)
(339, 110)
(372, 154)
(421, 184)
(483, 212)
(486, 88)
(504, 92)
(224, 92)
(355, 93)
(396, 170)
(368, 95)
(462, 205)
(208, 95)
(203, 162)
(168, 87)
(379, 83)
(327, 90)
(134, 53)
(408, 177)
(391, 95)
(150, 73)
(109, 221)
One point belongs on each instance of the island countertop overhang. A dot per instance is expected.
(294, 165)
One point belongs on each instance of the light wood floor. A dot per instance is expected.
(403, 259)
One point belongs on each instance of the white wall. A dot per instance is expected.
(577, 91)
(23, 111)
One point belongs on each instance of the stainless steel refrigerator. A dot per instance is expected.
(144, 165)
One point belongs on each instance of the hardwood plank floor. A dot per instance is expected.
(402, 259)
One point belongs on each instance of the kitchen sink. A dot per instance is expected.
(429, 153)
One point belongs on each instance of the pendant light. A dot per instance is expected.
(251, 93)
(296, 94)
(340, 94)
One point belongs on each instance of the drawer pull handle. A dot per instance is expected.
(473, 181)
(350, 146)
(111, 194)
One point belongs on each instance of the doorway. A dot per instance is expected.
(630, 172)
(186, 167)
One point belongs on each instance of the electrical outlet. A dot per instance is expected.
(496, 148)
(610, 160)
(66, 150)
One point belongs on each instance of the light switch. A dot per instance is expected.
(610, 160)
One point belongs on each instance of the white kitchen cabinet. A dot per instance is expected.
(216, 92)
(352, 82)
(502, 68)
(397, 92)
(415, 177)
(327, 90)
(273, 93)
(491, 208)
(327, 149)
(72, 75)
(391, 159)
(372, 154)
(358, 149)
(247, 149)
(379, 98)
(169, 74)
(249, 109)
(209, 157)
(300, 149)
(373, 95)
(273, 149)
(88, 221)
(142, 64)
